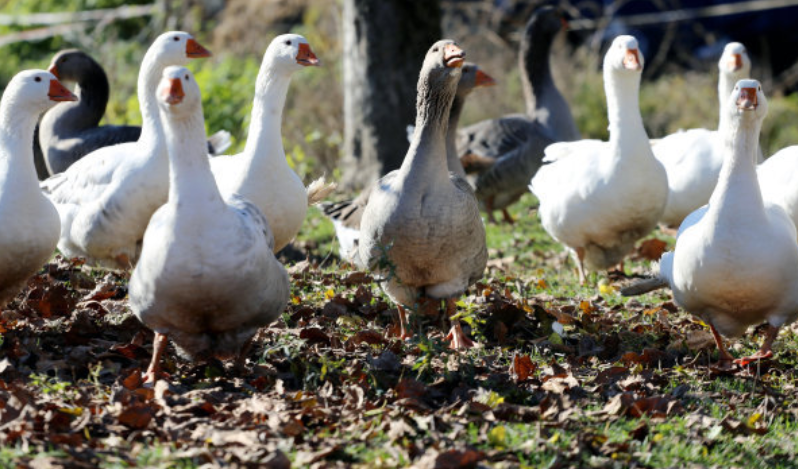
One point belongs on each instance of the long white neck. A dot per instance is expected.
(191, 183)
(16, 145)
(737, 191)
(149, 76)
(726, 82)
(623, 108)
(264, 142)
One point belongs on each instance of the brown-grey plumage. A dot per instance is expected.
(422, 219)
(520, 138)
(346, 215)
(70, 131)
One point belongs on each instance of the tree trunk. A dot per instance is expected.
(385, 42)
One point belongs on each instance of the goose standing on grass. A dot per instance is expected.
(598, 198)
(207, 277)
(735, 263)
(70, 131)
(693, 158)
(261, 172)
(29, 221)
(346, 215)
(106, 199)
(518, 140)
(421, 228)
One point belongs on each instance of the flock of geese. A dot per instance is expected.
(200, 233)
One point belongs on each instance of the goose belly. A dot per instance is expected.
(114, 222)
(209, 281)
(27, 240)
(282, 199)
(436, 245)
(607, 217)
(738, 284)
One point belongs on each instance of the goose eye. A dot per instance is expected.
(186, 77)
(37, 79)
(287, 42)
(435, 50)
(176, 38)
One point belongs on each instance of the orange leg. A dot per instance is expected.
(725, 356)
(489, 209)
(404, 330)
(766, 351)
(456, 335)
(507, 217)
(158, 346)
(580, 265)
(241, 360)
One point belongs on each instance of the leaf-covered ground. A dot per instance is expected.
(566, 376)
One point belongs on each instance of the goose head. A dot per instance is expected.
(735, 61)
(624, 56)
(176, 47)
(290, 52)
(442, 64)
(747, 101)
(545, 23)
(71, 65)
(472, 77)
(178, 93)
(37, 90)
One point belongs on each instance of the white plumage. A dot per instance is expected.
(735, 263)
(693, 158)
(261, 172)
(598, 198)
(207, 277)
(106, 199)
(29, 221)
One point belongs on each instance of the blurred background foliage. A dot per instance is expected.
(238, 31)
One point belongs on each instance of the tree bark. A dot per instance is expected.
(385, 42)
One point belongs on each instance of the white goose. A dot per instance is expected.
(778, 178)
(693, 158)
(261, 173)
(106, 199)
(598, 198)
(735, 263)
(30, 222)
(207, 277)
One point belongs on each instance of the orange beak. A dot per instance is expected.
(747, 99)
(59, 92)
(453, 56)
(195, 51)
(631, 60)
(483, 79)
(54, 70)
(735, 62)
(174, 94)
(305, 56)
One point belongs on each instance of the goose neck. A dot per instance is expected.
(149, 76)
(265, 139)
(623, 106)
(16, 138)
(452, 160)
(427, 153)
(738, 187)
(191, 182)
(533, 60)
